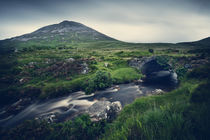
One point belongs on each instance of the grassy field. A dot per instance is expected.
(179, 114)
(45, 66)
(48, 65)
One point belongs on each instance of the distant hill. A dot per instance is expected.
(202, 43)
(66, 31)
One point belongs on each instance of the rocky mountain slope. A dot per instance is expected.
(66, 31)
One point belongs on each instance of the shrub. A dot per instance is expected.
(151, 50)
(100, 80)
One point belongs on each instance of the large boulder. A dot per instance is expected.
(104, 110)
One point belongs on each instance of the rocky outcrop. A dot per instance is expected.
(149, 65)
(157, 70)
(139, 62)
(104, 110)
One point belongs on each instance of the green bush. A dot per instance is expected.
(99, 81)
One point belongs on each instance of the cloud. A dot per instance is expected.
(127, 20)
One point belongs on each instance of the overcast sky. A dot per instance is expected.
(126, 20)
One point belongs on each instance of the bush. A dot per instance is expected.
(151, 50)
(100, 80)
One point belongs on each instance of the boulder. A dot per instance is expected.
(50, 118)
(70, 60)
(104, 110)
(158, 91)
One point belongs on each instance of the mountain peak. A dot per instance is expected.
(66, 22)
(72, 23)
(65, 31)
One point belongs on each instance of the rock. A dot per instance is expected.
(50, 118)
(70, 60)
(106, 64)
(139, 62)
(116, 87)
(16, 50)
(85, 68)
(31, 63)
(138, 81)
(24, 80)
(104, 110)
(158, 91)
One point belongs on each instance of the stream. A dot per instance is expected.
(68, 107)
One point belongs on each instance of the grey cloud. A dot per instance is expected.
(140, 20)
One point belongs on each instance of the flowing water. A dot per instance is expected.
(76, 103)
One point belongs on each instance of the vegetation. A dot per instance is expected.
(80, 128)
(151, 50)
(101, 80)
(42, 70)
(125, 75)
(180, 114)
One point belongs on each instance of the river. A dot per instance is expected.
(65, 108)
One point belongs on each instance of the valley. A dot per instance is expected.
(68, 73)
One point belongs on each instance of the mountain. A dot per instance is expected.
(66, 31)
(201, 43)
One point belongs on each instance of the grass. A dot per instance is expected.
(169, 116)
(177, 115)
(115, 53)
(125, 75)
(155, 117)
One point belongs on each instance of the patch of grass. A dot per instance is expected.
(62, 88)
(125, 75)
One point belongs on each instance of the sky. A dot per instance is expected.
(127, 20)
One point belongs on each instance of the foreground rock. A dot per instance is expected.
(104, 110)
